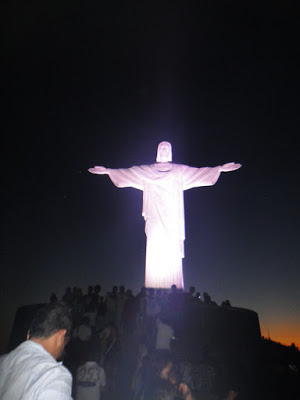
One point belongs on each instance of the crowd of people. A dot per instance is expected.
(130, 342)
(119, 345)
(124, 345)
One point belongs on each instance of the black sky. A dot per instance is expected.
(102, 84)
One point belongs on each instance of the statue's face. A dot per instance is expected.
(164, 152)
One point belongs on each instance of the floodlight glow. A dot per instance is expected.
(163, 185)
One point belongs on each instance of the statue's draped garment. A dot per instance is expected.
(163, 211)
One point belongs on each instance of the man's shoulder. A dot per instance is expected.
(20, 352)
(62, 372)
(35, 350)
(31, 368)
(32, 355)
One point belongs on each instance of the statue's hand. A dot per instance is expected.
(230, 167)
(98, 170)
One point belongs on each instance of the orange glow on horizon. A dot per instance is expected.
(284, 333)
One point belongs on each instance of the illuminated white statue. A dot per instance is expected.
(163, 184)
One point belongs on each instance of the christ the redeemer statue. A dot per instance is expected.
(163, 184)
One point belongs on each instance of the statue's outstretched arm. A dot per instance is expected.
(99, 170)
(121, 177)
(232, 166)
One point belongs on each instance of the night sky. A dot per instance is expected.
(102, 83)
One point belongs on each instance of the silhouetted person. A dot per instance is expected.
(130, 310)
(141, 301)
(226, 303)
(96, 295)
(87, 299)
(173, 296)
(207, 300)
(53, 298)
(121, 299)
(67, 297)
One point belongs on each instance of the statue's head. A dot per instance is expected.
(164, 152)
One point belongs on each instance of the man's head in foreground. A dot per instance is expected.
(51, 328)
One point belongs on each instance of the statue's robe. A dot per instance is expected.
(163, 211)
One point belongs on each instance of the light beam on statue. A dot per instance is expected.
(163, 185)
